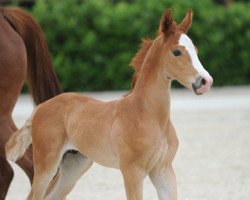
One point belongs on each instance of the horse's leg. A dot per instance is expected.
(71, 168)
(7, 127)
(26, 163)
(163, 178)
(133, 177)
(6, 176)
(13, 67)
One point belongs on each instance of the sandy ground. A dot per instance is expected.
(213, 160)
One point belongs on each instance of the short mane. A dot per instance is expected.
(138, 60)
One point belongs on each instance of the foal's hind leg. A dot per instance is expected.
(72, 167)
(45, 168)
(6, 176)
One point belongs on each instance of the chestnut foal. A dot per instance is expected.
(23, 51)
(134, 134)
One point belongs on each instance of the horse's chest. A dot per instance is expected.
(167, 152)
(163, 151)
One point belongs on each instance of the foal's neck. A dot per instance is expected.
(152, 90)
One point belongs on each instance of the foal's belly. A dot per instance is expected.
(96, 148)
(102, 156)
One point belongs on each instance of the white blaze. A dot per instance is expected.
(189, 46)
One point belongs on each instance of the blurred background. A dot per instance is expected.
(93, 41)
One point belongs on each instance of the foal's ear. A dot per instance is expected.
(167, 23)
(186, 22)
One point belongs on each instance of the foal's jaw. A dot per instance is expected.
(203, 81)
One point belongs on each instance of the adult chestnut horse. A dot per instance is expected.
(23, 50)
(134, 134)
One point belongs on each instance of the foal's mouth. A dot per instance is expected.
(195, 90)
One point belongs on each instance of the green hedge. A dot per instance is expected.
(93, 41)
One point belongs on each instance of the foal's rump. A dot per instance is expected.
(22, 138)
(68, 121)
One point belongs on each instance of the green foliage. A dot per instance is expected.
(93, 41)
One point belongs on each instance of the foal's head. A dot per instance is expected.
(179, 56)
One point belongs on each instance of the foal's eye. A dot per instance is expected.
(176, 52)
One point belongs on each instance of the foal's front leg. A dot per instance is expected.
(163, 178)
(133, 178)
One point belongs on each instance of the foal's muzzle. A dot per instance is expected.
(202, 84)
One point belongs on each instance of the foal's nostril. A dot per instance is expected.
(202, 84)
(200, 81)
(203, 81)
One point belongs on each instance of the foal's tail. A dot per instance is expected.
(43, 82)
(19, 142)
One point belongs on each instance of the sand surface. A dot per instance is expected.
(213, 160)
